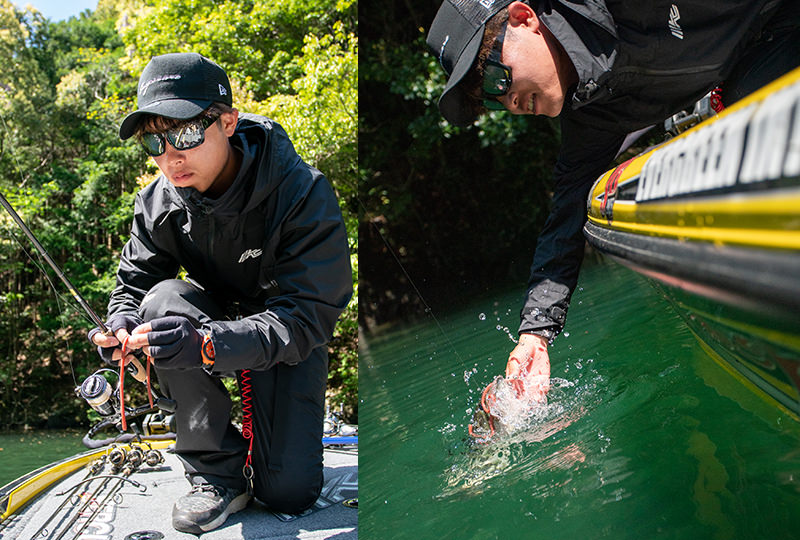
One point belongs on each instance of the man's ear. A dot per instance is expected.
(228, 122)
(521, 14)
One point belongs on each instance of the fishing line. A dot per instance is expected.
(428, 309)
(39, 264)
(13, 156)
(59, 297)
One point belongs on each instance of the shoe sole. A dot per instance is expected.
(239, 503)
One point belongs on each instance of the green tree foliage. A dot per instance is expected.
(24, 90)
(52, 157)
(447, 212)
(64, 88)
(258, 41)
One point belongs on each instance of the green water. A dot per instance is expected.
(22, 452)
(643, 436)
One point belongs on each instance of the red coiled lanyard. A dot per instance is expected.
(247, 426)
(247, 408)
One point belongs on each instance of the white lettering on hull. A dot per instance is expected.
(758, 143)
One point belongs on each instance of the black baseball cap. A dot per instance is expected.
(178, 85)
(455, 38)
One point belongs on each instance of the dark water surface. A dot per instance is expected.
(643, 436)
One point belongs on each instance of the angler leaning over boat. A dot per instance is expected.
(607, 70)
(260, 235)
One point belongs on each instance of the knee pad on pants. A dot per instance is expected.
(289, 493)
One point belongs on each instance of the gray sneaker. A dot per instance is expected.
(206, 507)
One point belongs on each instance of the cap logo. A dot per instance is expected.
(145, 85)
(222, 90)
(441, 50)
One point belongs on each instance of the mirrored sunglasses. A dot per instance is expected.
(496, 75)
(496, 83)
(188, 135)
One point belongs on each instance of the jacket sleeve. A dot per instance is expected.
(142, 265)
(315, 281)
(585, 154)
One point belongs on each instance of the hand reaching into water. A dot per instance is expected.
(530, 361)
(505, 402)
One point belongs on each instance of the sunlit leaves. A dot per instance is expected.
(64, 88)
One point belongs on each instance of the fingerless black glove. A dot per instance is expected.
(175, 343)
(122, 320)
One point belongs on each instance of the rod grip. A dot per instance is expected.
(135, 368)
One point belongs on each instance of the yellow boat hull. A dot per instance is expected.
(714, 214)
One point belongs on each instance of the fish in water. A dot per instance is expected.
(506, 405)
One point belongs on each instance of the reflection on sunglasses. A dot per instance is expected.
(496, 75)
(496, 83)
(188, 135)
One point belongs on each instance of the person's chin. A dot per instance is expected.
(183, 180)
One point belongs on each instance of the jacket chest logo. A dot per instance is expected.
(250, 253)
(674, 16)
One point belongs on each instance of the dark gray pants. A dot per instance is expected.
(288, 410)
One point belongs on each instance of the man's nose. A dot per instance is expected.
(174, 155)
(512, 102)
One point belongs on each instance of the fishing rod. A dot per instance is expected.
(73, 291)
(134, 366)
(94, 470)
(135, 459)
(116, 459)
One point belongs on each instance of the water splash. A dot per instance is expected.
(517, 450)
(468, 373)
(507, 332)
(513, 403)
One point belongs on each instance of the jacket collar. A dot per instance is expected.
(234, 199)
(588, 34)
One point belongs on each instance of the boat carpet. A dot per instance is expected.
(334, 515)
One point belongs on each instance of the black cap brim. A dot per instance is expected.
(455, 105)
(181, 109)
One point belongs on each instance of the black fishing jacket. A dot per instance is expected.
(638, 63)
(273, 249)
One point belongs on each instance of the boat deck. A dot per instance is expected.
(137, 511)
